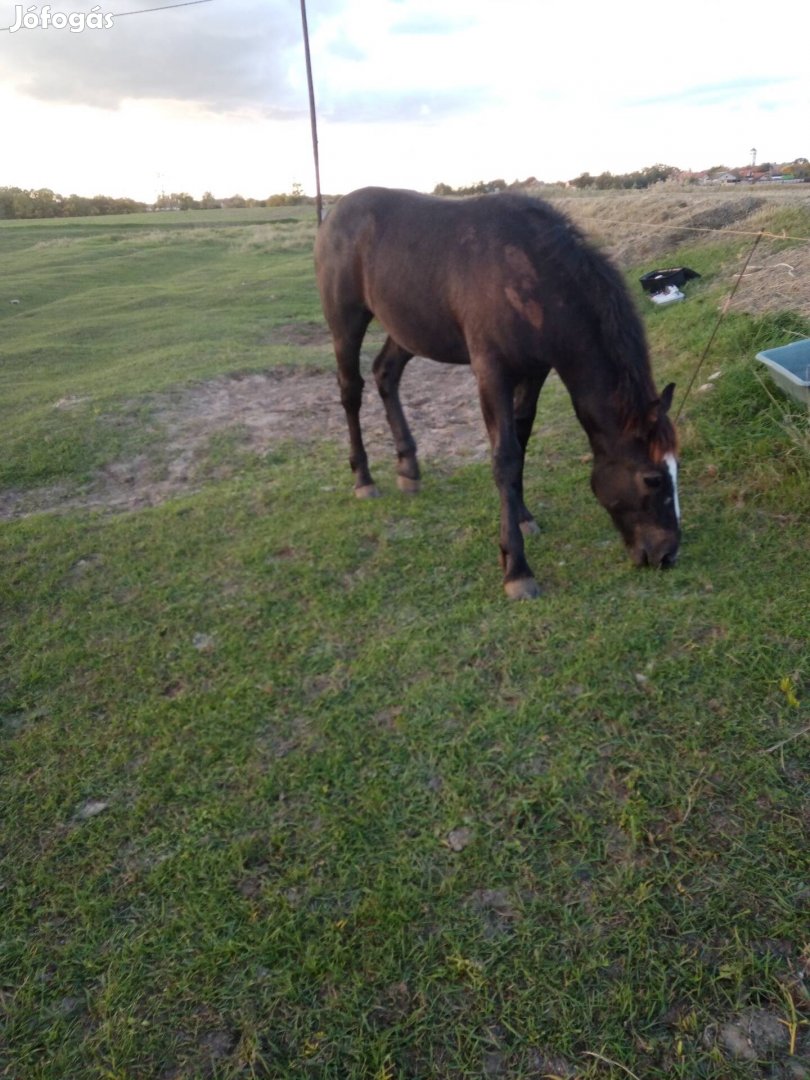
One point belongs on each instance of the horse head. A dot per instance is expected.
(636, 480)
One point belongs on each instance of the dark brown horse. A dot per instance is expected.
(508, 285)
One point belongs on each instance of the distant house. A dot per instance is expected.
(725, 178)
(716, 178)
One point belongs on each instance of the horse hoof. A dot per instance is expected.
(410, 487)
(524, 589)
(367, 491)
(530, 527)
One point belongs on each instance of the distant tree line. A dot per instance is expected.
(183, 201)
(642, 178)
(43, 203)
(18, 202)
(798, 169)
(481, 187)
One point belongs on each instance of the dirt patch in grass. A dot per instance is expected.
(759, 1036)
(263, 411)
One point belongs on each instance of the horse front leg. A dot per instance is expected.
(388, 368)
(525, 404)
(497, 406)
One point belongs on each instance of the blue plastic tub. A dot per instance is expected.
(790, 367)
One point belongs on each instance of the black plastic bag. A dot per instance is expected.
(658, 280)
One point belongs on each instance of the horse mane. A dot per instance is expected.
(615, 321)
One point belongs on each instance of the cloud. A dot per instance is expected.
(222, 56)
(711, 93)
(408, 91)
(385, 61)
(343, 48)
(402, 106)
(432, 23)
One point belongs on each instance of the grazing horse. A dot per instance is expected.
(508, 285)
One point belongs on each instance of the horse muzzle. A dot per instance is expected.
(658, 549)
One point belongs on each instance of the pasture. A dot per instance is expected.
(289, 788)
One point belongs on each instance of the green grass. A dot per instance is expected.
(290, 789)
(106, 316)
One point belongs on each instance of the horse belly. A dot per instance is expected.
(428, 330)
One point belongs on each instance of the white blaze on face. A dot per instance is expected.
(671, 463)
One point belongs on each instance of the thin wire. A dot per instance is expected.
(165, 7)
(671, 227)
(717, 325)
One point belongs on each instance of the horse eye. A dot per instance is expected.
(653, 480)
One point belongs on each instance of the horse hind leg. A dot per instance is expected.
(347, 338)
(388, 368)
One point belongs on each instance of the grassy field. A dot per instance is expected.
(289, 788)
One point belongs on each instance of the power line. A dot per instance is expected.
(165, 7)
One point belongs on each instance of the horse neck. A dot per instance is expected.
(607, 440)
(600, 401)
(607, 371)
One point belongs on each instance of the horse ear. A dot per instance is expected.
(661, 406)
(666, 398)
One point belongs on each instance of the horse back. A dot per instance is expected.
(446, 278)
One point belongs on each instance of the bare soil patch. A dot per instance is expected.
(264, 410)
(760, 1037)
(295, 405)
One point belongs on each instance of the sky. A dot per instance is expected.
(212, 95)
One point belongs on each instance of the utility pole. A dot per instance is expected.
(312, 117)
